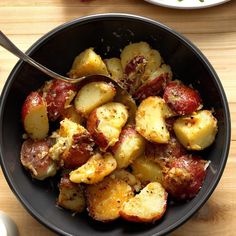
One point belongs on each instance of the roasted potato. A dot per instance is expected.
(150, 119)
(94, 170)
(115, 69)
(130, 145)
(151, 87)
(79, 152)
(163, 154)
(155, 84)
(129, 178)
(34, 116)
(88, 63)
(105, 123)
(185, 177)
(196, 131)
(154, 61)
(34, 157)
(93, 95)
(58, 96)
(134, 58)
(131, 51)
(73, 145)
(146, 170)
(71, 195)
(182, 99)
(105, 199)
(147, 206)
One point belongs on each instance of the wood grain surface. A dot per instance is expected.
(213, 30)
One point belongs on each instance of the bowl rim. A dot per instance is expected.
(89, 18)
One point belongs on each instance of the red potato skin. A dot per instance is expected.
(132, 72)
(92, 124)
(184, 188)
(132, 66)
(144, 220)
(152, 87)
(164, 154)
(80, 152)
(34, 99)
(182, 99)
(31, 152)
(56, 96)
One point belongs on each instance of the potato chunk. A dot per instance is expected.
(150, 119)
(93, 95)
(134, 50)
(71, 196)
(88, 63)
(196, 131)
(74, 145)
(34, 157)
(105, 123)
(134, 58)
(58, 96)
(34, 116)
(130, 145)
(146, 170)
(185, 176)
(94, 170)
(182, 99)
(114, 67)
(147, 206)
(153, 63)
(106, 198)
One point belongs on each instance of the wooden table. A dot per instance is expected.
(213, 30)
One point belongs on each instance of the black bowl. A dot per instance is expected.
(107, 33)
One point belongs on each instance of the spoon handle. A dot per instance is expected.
(6, 43)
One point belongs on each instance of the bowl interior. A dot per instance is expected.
(107, 34)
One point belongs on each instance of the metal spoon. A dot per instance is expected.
(7, 225)
(122, 95)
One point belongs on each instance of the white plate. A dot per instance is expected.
(187, 4)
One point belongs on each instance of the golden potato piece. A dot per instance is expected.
(65, 137)
(153, 63)
(93, 95)
(146, 170)
(105, 123)
(114, 67)
(106, 198)
(71, 196)
(147, 206)
(130, 145)
(35, 117)
(94, 170)
(133, 50)
(129, 178)
(196, 131)
(150, 119)
(88, 63)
